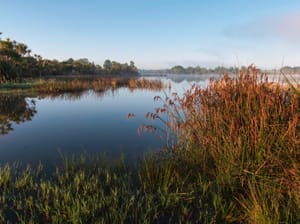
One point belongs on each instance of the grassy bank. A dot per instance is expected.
(64, 85)
(237, 160)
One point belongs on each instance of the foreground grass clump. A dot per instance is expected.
(89, 190)
(241, 138)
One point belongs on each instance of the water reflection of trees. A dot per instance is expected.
(73, 96)
(15, 109)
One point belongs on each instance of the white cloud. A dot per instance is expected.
(289, 27)
(285, 27)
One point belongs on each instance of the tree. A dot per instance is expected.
(178, 69)
(132, 67)
(16, 63)
(116, 68)
(107, 66)
(9, 58)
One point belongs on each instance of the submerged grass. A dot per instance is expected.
(236, 161)
(88, 190)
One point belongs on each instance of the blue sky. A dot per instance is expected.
(158, 33)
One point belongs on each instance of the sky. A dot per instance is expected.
(158, 34)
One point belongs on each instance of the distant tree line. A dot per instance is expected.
(178, 69)
(290, 70)
(17, 63)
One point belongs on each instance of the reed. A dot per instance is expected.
(241, 136)
(71, 85)
(98, 85)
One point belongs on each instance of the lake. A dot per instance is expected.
(42, 128)
(35, 128)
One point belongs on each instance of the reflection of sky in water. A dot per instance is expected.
(91, 123)
(88, 123)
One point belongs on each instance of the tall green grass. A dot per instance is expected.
(94, 190)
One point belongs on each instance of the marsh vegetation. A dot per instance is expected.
(236, 160)
(56, 86)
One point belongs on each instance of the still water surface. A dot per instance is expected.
(41, 128)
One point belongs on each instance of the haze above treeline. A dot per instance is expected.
(17, 62)
(179, 69)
